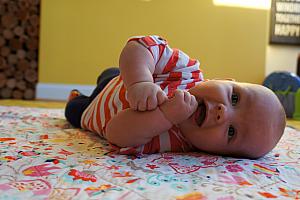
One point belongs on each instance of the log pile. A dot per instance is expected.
(19, 39)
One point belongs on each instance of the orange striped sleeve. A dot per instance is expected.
(190, 85)
(106, 106)
(176, 145)
(172, 61)
(173, 86)
(125, 103)
(114, 107)
(148, 41)
(153, 146)
(173, 76)
(91, 118)
(98, 116)
(164, 85)
(91, 122)
(196, 74)
(161, 48)
(191, 62)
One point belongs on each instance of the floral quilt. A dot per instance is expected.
(43, 157)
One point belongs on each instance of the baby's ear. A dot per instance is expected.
(224, 79)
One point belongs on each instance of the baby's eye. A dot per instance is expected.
(231, 132)
(234, 99)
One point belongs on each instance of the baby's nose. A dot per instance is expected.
(221, 113)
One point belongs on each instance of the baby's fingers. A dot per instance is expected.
(151, 102)
(142, 105)
(132, 104)
(187, 97)
(161, 97)
(179, 94)
(193, 103)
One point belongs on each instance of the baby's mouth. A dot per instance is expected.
(201, 113)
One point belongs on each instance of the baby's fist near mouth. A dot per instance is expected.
(143, 96)
(180, 107)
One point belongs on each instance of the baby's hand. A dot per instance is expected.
(144, 96)
(180, 107)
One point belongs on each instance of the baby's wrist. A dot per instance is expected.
(134, 84)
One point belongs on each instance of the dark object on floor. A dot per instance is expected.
(285, 85)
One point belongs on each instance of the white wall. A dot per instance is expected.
(281, 58)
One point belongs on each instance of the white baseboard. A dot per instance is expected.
(52, 91)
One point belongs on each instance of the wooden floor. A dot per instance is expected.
(61, 104)
(35, 103)
(293, 123)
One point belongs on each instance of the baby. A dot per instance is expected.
(160, 102)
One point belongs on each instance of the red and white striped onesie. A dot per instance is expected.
(173, 70)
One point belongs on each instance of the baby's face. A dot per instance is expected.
(235, 119)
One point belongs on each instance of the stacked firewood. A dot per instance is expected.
(19, 39)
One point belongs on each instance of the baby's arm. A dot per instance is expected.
(132, 128)
(137, 66)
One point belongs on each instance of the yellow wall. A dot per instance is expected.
(79, 38)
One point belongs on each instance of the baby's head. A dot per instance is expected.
(235, 119)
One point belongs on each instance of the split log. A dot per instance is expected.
(4, 1)
(29, 94)
(33, 64)
(23, 65)
(21, 53)
(2, 41)
(11, 83)
(3, 63)
(21, 85)
(2, 80)
(31, 55)
(5, 51)
(15, 44)
(9, 72)
(34, 20)
(2, 9)
(31, 75)
(22, 14)
(32, 31)
(32, 44)
(6, 93)
(23, 4)
(35, 3)
(19, 76)
(12, 59)
(17, 94)
(8, 34)
(12, 7)
(18, 30)
(9, 20)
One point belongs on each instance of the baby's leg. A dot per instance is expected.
(103, 79)
(74, 109)
(76, 105)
